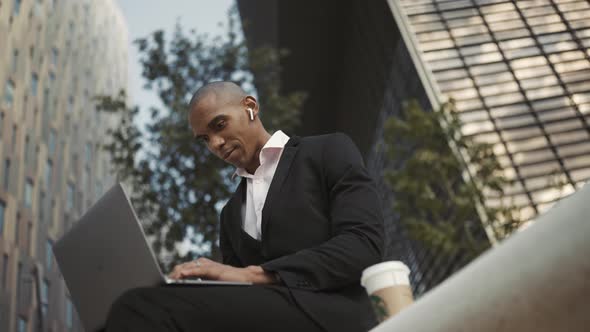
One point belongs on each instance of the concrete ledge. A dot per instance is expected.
(537, 280)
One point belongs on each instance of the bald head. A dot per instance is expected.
(223, 116)
(217, 94)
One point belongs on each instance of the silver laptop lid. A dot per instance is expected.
(104, 254)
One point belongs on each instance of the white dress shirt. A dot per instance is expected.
(257, 184)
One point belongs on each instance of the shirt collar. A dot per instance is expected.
(276, 142)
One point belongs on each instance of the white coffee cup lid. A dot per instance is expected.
(385, 274)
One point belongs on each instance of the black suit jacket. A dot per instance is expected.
(322, 225)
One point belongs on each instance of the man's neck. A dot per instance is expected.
(256, 161)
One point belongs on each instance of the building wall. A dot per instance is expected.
(55, 55)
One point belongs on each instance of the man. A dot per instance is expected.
(302, 225)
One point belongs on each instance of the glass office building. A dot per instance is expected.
(55, 56)
(520, 74)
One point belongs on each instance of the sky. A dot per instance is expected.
(145, 16)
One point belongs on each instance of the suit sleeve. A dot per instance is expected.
(228, 255)
(357, 226)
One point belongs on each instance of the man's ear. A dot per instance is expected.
(250, 102)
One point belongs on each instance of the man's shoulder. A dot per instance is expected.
(334, 147)
(323, 139)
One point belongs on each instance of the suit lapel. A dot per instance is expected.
(281, 173)
(234, 213)
(234, 205)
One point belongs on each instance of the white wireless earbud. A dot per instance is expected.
(251, 114)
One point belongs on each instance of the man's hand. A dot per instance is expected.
(207, 269)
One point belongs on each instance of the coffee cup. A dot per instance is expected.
(388, 286)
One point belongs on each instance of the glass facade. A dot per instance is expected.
(44, 73)
(520, 74)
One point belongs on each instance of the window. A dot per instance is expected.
(14, 61)
(48, 254)
(9, 93)
(30, 238)
(46, 100)
(41, 205)
(14, 130)
(70, 109)
(27, 147)
(51, 144)
(28, 193)
(16, 8)
(1, 124)
(38, 7)
(2, 210)
(70, 197)
(51, 77)
(54, 56)
(22, 325)
(48, 172)
(5, 271)
(88, 153)
(17, 229)
(44, 297)
(69, 313)
(85, 180)
(74, 159)
(19, 274)
(6, 174)
(97, 189)
(34, 83)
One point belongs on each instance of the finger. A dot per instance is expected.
(177, 269)
(174, 274)
(192, 272)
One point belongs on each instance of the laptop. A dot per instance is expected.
(106, 253)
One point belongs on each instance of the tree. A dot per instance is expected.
(431, 198)
(178, 186)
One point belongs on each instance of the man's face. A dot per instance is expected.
(225, 129)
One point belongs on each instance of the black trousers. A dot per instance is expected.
(208, 309)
